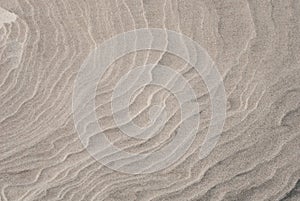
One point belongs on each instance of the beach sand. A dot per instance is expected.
(255, 46)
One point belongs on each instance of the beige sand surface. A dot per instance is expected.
(256, 47)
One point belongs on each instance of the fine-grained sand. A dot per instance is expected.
(255, 45)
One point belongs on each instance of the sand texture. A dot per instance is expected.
(255, 46)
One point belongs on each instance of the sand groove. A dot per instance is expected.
(256, 47)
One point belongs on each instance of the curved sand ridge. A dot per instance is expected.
(256, 47)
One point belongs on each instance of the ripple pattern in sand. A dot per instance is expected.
(256, 47)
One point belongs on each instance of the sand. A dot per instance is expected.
(255, 46)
